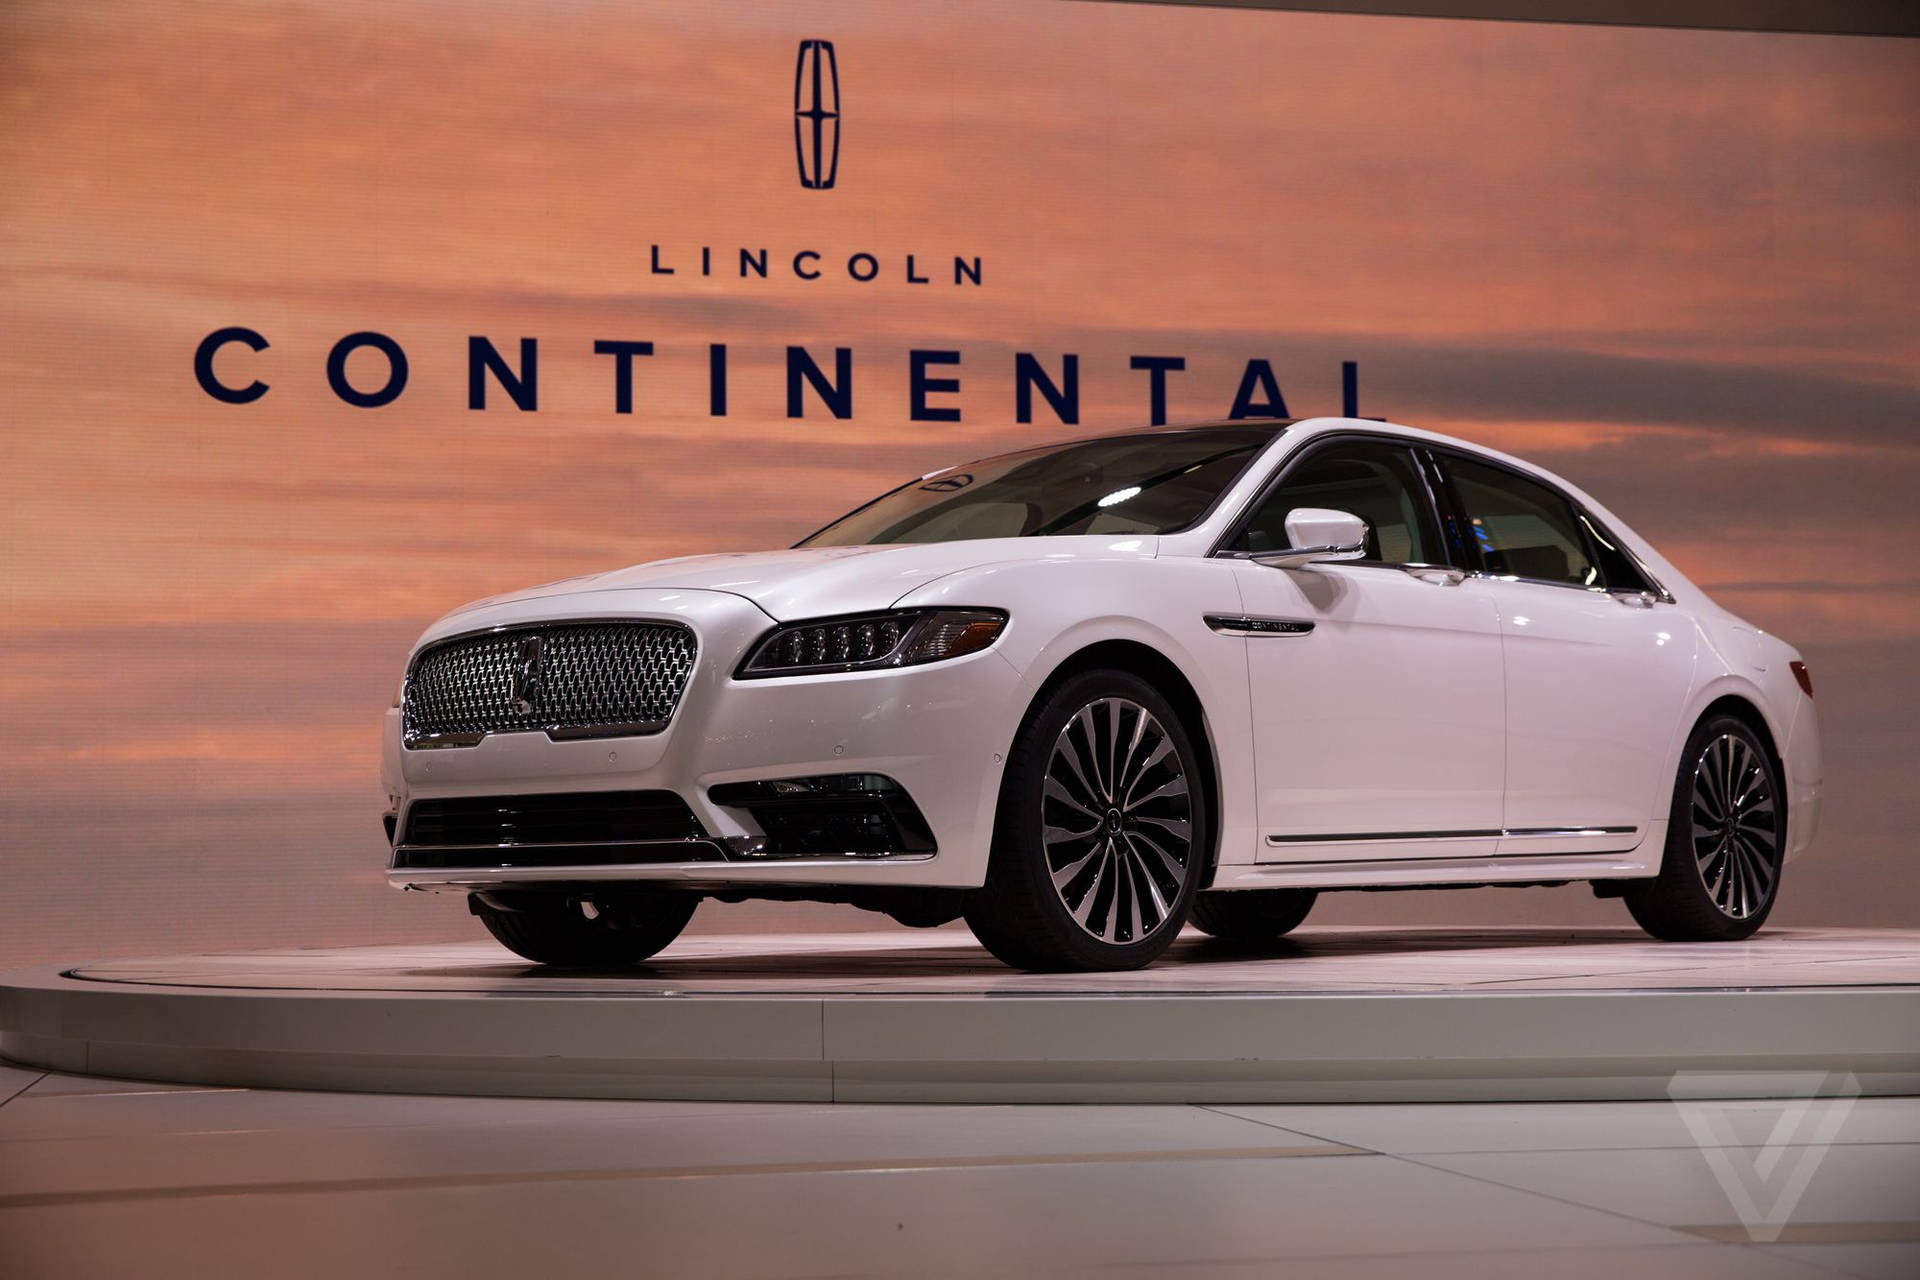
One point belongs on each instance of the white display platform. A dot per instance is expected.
(1337, 1014)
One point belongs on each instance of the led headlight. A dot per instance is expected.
(902, 638)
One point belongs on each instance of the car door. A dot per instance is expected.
(1597, 665)
(1376, 684)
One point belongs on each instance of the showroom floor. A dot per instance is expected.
(947, 961)
(114, 1179)
(1332, 1014)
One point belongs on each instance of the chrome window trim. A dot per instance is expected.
(1448, 574)
(1484, 576)
(1661, 595)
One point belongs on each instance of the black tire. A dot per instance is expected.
(1147, 816)
(587, 933)
(1252, 917)
(1720, 874)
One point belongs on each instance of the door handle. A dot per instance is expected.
(1440, 575)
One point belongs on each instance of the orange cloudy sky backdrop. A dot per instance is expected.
(1680, 267)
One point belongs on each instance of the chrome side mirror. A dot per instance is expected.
(1317, 534)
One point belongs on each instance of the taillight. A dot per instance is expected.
(1799, 670)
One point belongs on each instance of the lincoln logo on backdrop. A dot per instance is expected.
(822, 377)
(816, 114)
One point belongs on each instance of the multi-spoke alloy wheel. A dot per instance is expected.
(1735, 840)
(1726, 834)
(1117, 820)
(1101, 834)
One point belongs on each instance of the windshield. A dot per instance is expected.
(1149, 482)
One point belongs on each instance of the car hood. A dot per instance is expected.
(815, 582)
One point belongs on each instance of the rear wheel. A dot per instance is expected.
(1252, 917)
(1726, 832)
(1101, 833)
(597, 932)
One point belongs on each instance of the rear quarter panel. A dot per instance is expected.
(1739, 660)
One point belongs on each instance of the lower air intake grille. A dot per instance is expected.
(590, 817)
(580, 680)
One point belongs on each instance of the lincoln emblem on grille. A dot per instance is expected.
(526, 675)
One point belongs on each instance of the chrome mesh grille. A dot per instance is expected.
(590, 679)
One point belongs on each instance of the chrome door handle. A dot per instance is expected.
(1634, 599)
(1440, 575)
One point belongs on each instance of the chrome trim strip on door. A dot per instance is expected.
(1244, 625)
(1397, 837)
(1383, 837)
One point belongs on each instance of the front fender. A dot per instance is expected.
(1057, 610)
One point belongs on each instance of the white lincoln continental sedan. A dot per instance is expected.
(1082, 695)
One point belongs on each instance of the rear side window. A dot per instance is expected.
(1523, 529)
(1616, 566)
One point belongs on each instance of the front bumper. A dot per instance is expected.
(940, 731)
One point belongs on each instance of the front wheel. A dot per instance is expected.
(1726, 832)
(1101, 835)
(585, 932)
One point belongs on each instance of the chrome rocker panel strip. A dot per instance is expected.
(1404, 837)
(1490, 869)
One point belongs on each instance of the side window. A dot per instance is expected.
(1616, 566)
(1377, 482)
(1522, 528)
